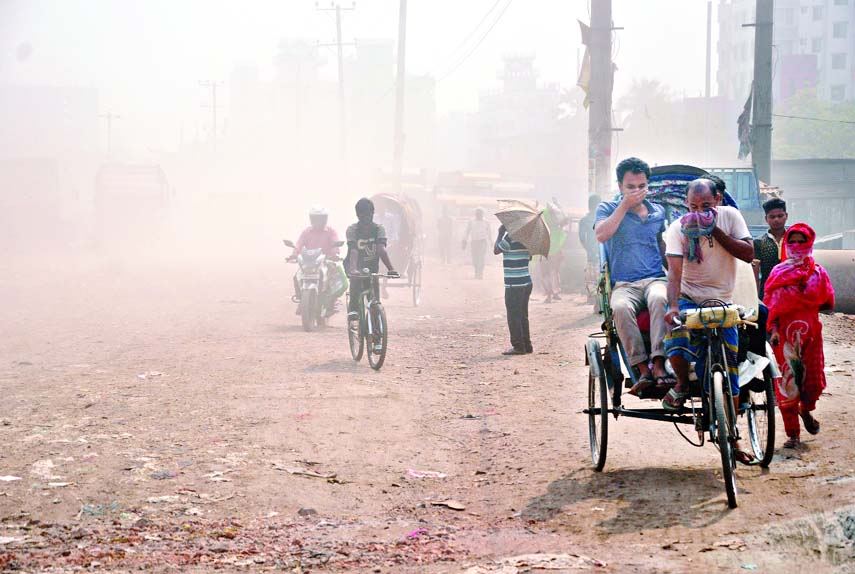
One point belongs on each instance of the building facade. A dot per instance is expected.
(814, 48)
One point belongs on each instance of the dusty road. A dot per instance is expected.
(175, 418)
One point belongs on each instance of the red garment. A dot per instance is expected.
(312, 238)
(796, 291)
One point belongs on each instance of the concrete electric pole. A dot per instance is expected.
(600, 111)
(110, 116)
(400, 87)
(342, 106)
(213, 86)
(761, 154)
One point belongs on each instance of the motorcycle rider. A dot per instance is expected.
(318, 235)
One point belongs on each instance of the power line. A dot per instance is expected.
(474, 30)
(814, 119)
(475, 47)
(451, 54)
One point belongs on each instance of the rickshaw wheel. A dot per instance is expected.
(598, 415)
(723, 421)
(416, 279)
(761, 420)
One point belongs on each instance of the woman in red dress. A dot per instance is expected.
(796, 291)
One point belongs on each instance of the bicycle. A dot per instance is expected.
(371, 331)
(716, 413)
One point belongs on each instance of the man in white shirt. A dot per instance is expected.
(479, 234)
(702, 265)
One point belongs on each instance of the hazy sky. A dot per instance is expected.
(146, 57)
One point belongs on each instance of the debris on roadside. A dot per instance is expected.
(425, 474)
(300, 471)
(450, 503)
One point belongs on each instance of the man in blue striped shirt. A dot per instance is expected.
(515, 257)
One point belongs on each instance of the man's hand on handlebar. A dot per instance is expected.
(672, 314)
(392, 274)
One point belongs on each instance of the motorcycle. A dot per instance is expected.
(313, 283)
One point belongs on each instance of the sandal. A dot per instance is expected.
(644, 382)
(666, 381)
(674, 400)
(745, 457)
(811, 424)
(792, 442)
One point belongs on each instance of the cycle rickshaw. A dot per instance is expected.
(401, 216)
(710, 408)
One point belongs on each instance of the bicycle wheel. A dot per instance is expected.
(417, 284)
(356, 338)
(598, 415)
(724, 429)
(309, 310)
(378, 338)
(761, 420)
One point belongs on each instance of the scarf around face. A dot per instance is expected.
(695, 225)
(798, 283)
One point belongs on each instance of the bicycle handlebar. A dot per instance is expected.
(395, 275)
(680, 319)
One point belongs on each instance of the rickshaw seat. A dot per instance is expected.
(643, 319)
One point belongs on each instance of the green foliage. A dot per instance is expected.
(800, 139)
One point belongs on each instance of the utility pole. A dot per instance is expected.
(708, 86)
(600, 111)
(708, 90)
(400, 87)
(110, 116)
(342, 107)
(213, 86)
(761, 152)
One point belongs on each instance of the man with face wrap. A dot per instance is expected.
(366, 247)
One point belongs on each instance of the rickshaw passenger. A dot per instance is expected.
(631, 231)
(702, 249)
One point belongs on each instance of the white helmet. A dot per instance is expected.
(318, 210)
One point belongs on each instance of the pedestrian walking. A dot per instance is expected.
(795, 292)
(478, 233)
(445, 231)
(588, 239)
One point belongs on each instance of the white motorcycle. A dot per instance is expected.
(316, 284)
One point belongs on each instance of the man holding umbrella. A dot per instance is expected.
(523, 233)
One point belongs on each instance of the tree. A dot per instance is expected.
(796, 138)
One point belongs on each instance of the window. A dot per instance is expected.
(840, 29)
(816, 45)
(817, 13)
(838, 93)
(841, 2)
(838, 61)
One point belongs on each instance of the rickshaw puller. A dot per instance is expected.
(702, 249)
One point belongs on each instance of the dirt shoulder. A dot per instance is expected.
(179, 418)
